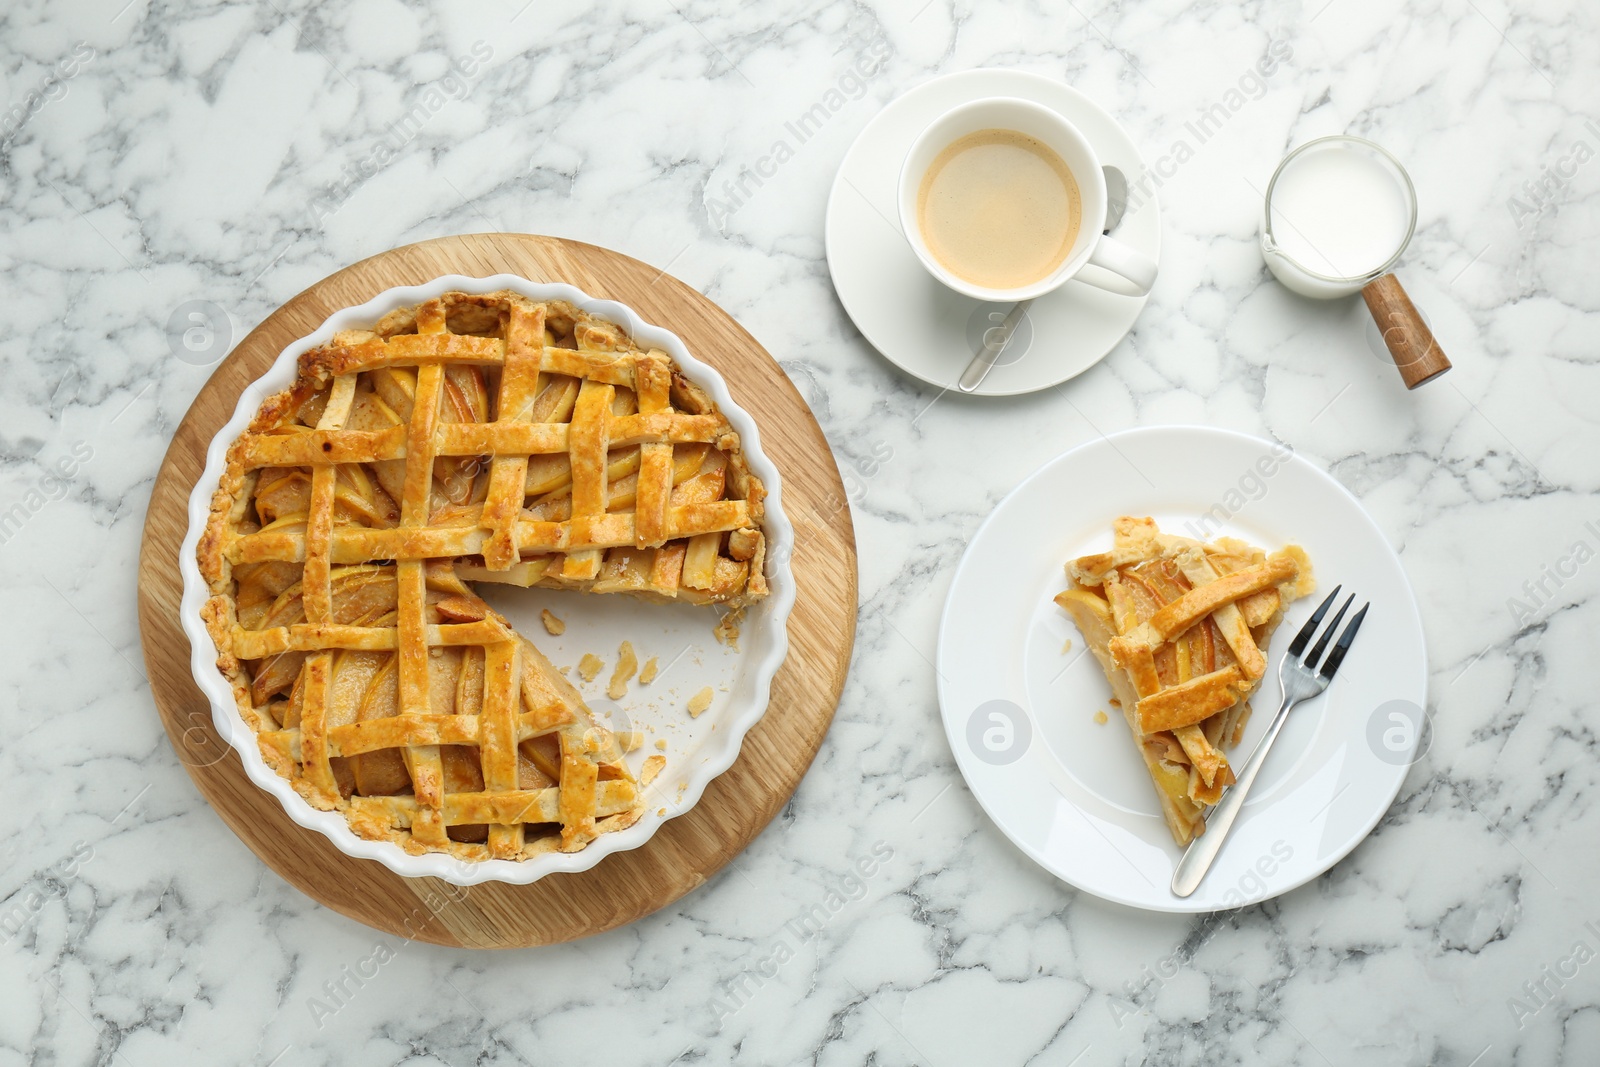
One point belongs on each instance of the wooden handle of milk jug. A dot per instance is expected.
(1411, 343)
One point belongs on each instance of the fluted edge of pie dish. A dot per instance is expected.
(765, 637)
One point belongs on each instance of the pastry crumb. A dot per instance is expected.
(651, 768)
(1114, 702)
(699, 703)
(552, 625)
(661, 811)
(590, 666)
(662, 744)
(648, 675)
(627, 663)
(727, 629)
(1100, 717)
(628, 740)
(565, 670)
(1066, 647)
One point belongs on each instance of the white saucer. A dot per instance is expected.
(1073, 793)
(931, 332)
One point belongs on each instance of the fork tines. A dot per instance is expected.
(1340, 647)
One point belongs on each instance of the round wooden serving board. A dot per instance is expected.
(686, 851)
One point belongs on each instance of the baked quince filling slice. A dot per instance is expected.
(471, 438)
(1179, 627)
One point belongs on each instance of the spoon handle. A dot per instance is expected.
(989, 354)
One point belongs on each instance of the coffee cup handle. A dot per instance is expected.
(1134, 271)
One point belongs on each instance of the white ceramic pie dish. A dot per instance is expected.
(698, 749)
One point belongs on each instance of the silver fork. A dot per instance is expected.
(1301, 681)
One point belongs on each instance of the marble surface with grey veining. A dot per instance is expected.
(170, 172)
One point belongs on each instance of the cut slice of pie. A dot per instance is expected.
(470, 438)
(1179, 627)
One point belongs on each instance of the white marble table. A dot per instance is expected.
(159, 154)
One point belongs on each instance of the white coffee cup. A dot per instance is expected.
(1134, 271)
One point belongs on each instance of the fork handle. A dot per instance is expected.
(1197, 859)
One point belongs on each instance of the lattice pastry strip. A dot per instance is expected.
(589, 448)
(317, 587)
(508, 472)
(481, 437)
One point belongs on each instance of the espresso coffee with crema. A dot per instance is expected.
(999, 209)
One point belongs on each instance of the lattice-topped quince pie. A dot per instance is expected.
(1179, 627)
(471, 438)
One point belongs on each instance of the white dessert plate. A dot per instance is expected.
(931, 332)
(1019, 706)
(679, 636)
